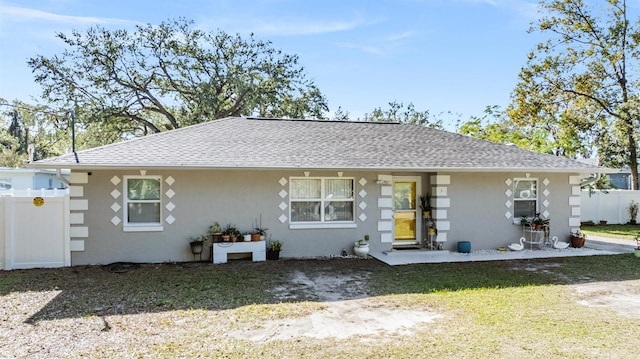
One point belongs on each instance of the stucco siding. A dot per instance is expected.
(478, 208)
(201, 198)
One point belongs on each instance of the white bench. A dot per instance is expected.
(258, 250)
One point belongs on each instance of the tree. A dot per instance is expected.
(22, 125)
(582, 83)
(398, 113)
(495, 126)
(163, 77)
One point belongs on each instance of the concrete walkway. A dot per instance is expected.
(593, 246)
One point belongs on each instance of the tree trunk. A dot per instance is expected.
(633, 160)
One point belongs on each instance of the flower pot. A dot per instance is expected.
(216, 237)
(226, 237)
(464, 247)
(196, 247)
(603, 223)
(255, 237)
(273, 255)
(361, 250)
(577, 242)
(247, 237)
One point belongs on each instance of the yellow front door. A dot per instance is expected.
(405, 207)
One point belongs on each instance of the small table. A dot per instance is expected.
(258, 250)
(538, 237)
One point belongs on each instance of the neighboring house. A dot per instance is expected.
(317, 186)
(29, 178)
(619, 179)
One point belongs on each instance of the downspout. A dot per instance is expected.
(60, 178)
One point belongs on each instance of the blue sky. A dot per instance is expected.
(442, 55)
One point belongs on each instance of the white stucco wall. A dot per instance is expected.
(475, 211)
(478, 207)
(204, 197)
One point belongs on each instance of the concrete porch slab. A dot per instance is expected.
(594, 246)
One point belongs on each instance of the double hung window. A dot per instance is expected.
(525, 197)
(142, 207)
(322, 200)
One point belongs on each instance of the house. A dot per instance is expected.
(29, 178)
(317, 186)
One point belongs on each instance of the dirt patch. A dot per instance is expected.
(348, 311)
(623, 297)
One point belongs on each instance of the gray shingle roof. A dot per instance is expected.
(270, 143)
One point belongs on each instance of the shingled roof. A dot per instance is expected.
(281, 144)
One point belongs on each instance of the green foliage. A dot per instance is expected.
(581, 85)
(156, 78)
(495, 126)
(22, 125)
(397, 112)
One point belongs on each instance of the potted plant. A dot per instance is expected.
(231, 232)
(261, 233)
(361, 247)
(636, 251)
(247, 236)
(215, 232)
(577, 239)
(537, 222)
(197, 243)
(633, 212)
(260, 230)
(273, 250)
(425, 205)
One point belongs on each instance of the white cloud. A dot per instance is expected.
(22, 14)
(275, 26)
(400, 36)
(364, 48)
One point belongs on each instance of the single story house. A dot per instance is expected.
(317, 186)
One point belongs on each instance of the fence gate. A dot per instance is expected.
(34, 229)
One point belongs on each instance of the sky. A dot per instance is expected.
(441, 55)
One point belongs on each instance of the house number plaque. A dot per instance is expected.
(38, 201)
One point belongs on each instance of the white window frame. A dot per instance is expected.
(517, 219)
(323, 224)
(140, 227)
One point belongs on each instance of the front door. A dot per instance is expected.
(406, 228)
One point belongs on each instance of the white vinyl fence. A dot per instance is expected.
(34, 229)
(612, 206)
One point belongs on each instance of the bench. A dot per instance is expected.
(258, 250)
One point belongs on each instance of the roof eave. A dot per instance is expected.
(602, 170)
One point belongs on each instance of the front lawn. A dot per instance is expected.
(624, 231)
(334, 308)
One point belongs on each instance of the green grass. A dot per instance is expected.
(523, 308)
(624, 231)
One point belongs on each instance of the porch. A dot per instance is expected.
(593, 246)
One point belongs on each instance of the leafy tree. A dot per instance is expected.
(163, 77)
(581, 84)
(397, 112)
(22, 125)
(495, 126)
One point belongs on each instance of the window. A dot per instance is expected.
(322, 200)
(5, 183)
(525, 198)
(142, 203)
